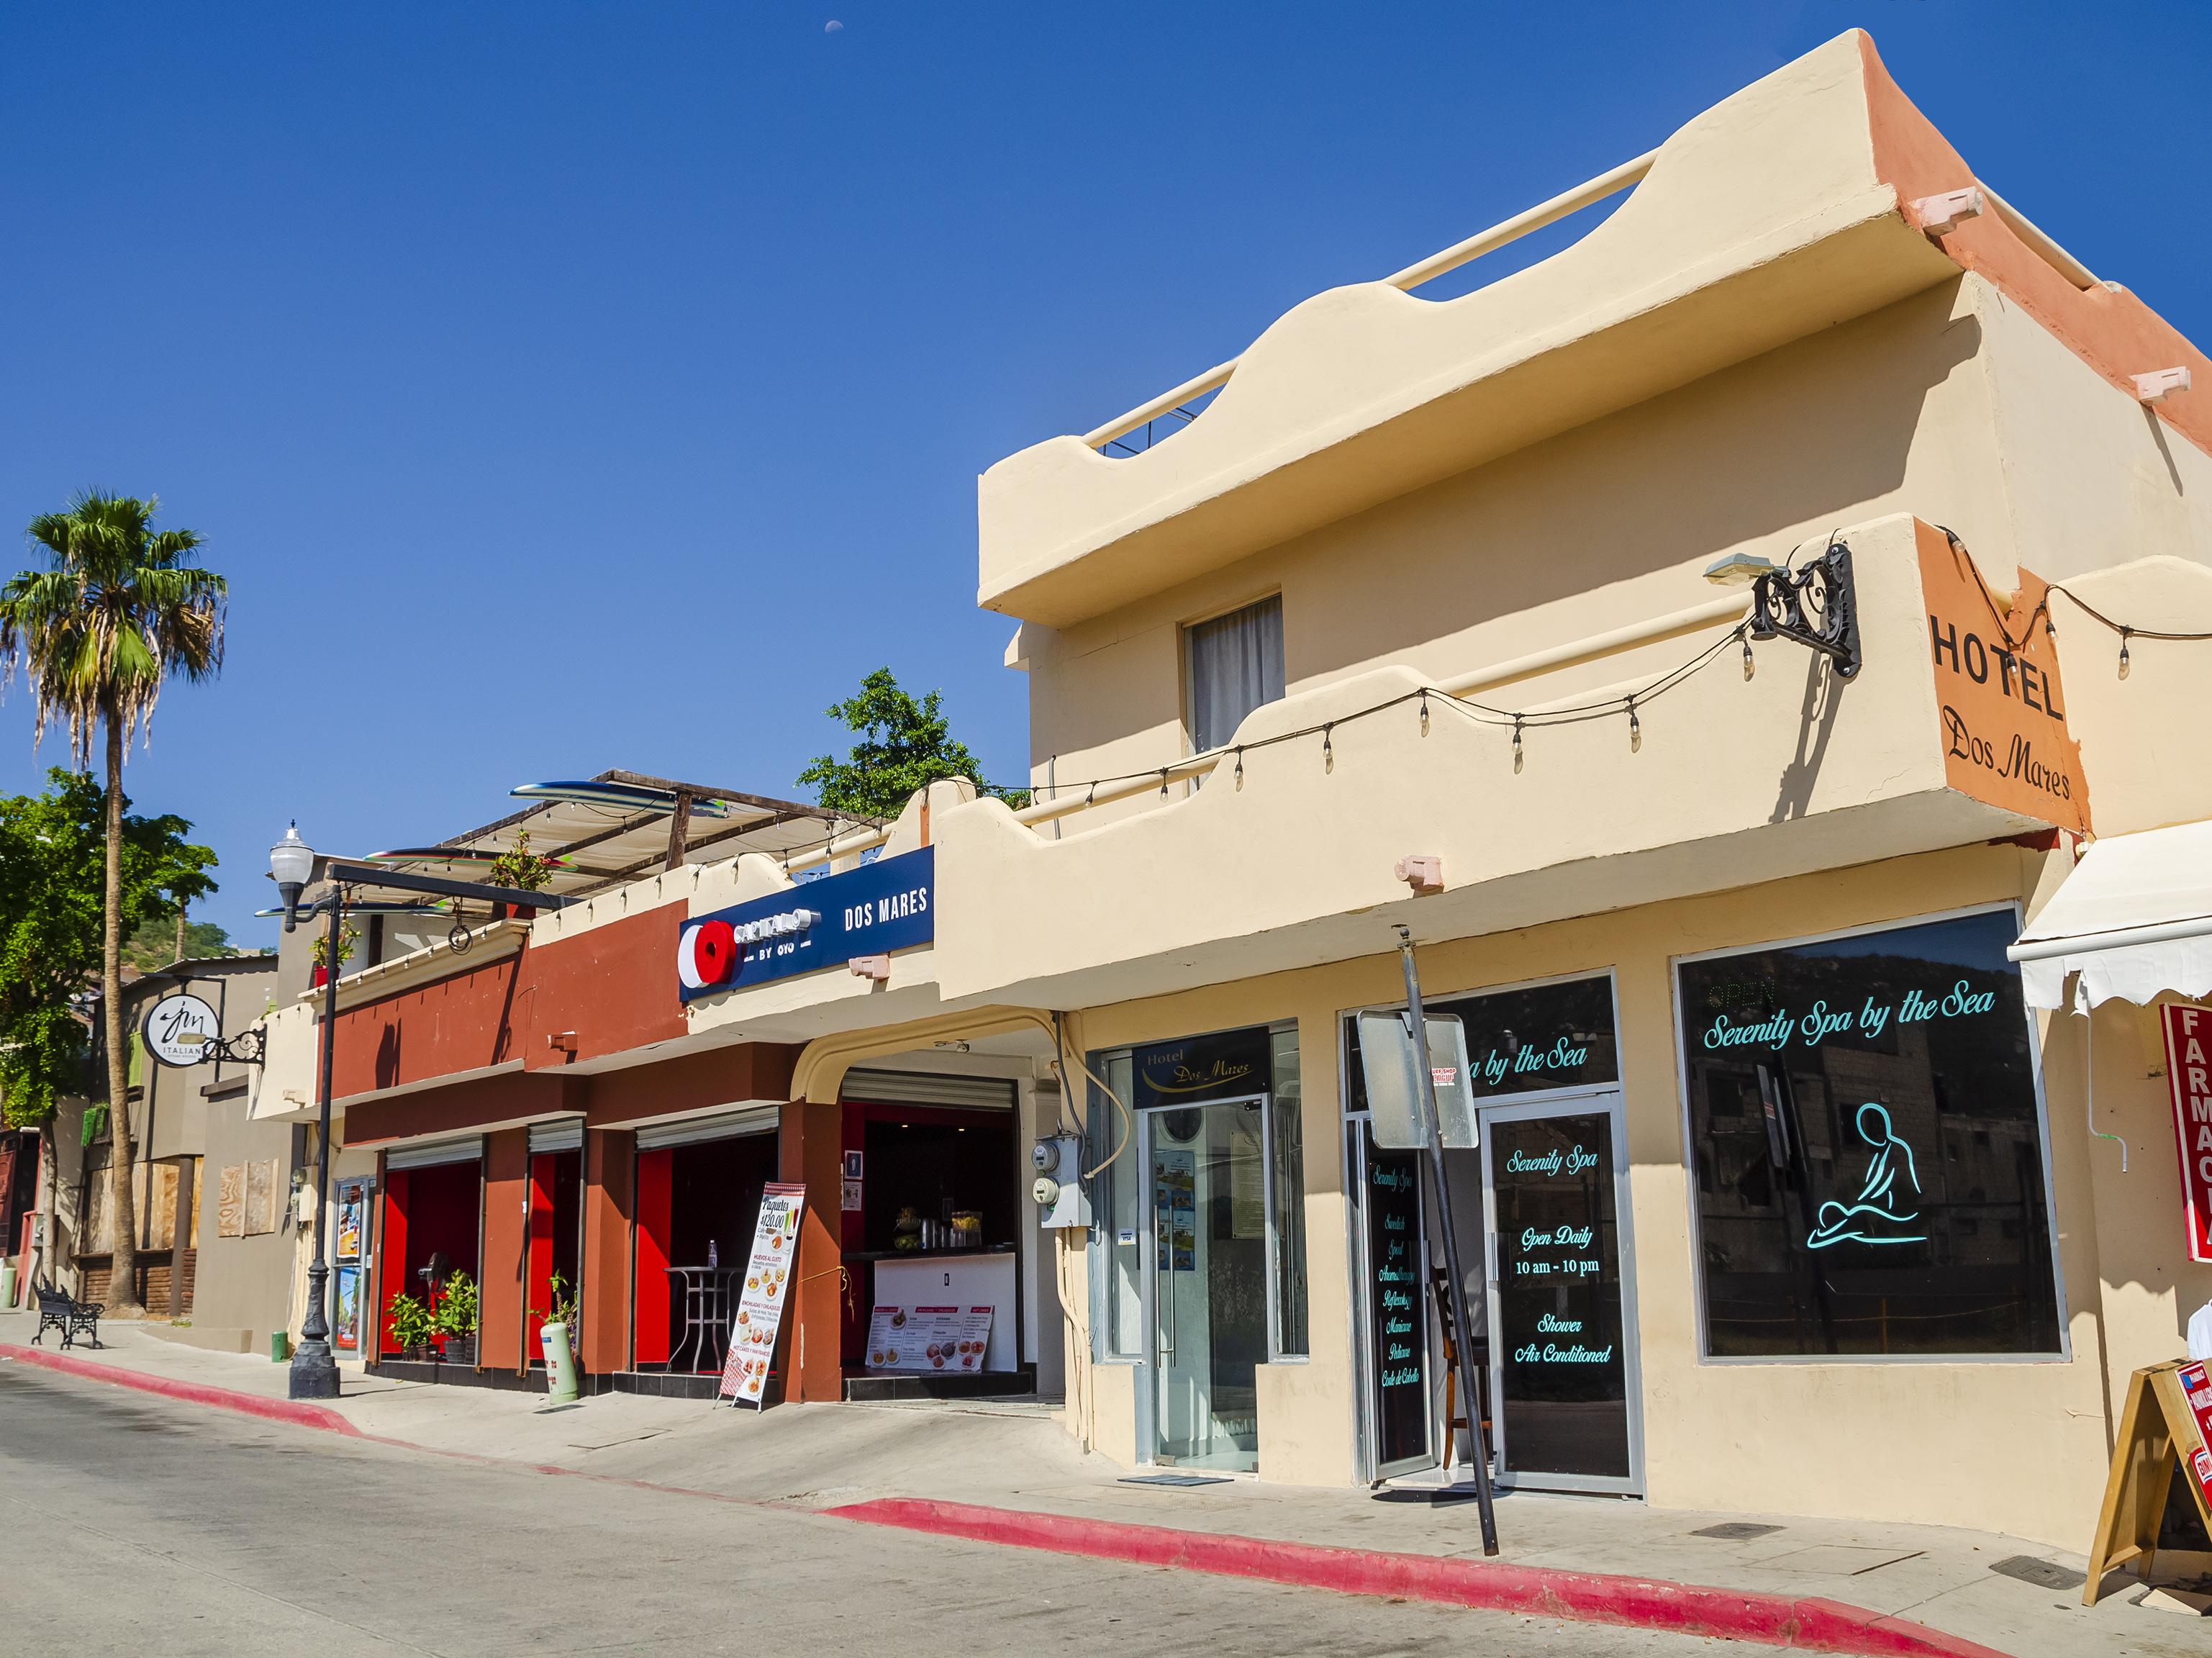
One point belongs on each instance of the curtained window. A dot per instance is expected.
(1235, 665)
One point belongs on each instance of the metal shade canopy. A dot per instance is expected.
(602, 831)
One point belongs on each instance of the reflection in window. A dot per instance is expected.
(1289, 1196)
(1868, 1148)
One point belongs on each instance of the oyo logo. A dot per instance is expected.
(708, 951)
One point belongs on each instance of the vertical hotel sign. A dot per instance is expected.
(2002, 708)
(2188, 1044)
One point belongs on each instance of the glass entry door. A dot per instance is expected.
(1206, 1280)
(1562, 1305)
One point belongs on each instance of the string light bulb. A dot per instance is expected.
(1240, 769)
(1164, 782)
(1516, 745)
(1750, 662)
(1635, 729)
(1328, 748)
(1424, 714)
(2124, 632)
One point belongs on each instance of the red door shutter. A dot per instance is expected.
(656, 1193)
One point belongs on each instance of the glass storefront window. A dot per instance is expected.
(1117, 1198)
(1867, 1147)
(1289, 1196)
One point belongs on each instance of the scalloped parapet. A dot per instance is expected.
(1779, 212)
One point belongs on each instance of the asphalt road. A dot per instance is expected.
(129, 1524)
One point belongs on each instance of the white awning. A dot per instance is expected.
(2133, 919)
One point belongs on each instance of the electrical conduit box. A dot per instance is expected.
(1058, 1188)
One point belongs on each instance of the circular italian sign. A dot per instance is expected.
(177, 1026)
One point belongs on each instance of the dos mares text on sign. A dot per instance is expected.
(873, 910)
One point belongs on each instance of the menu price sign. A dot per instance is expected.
(929, 1340)
(2189, 1071)
(1398, 1310)
(2196, 1388)
(760, 1306)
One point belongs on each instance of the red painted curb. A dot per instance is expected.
(193, 1392)
(1806, 1625)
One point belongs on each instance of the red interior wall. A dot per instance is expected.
(391, 1260)
(538, 1290)
(556, 1196)
(655, 1200)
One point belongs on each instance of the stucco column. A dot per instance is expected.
(609, 1188)
(807, 1151)
(506, 1248)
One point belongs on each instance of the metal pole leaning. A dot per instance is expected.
(1462, 1347)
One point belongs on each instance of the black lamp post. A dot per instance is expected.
(291, 862)
(291, 865)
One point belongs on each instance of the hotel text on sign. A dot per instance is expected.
(2188, 1067)
(2000, 709)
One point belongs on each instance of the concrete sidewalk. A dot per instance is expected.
(1016, 1458)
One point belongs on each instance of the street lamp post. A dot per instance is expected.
(291, 862)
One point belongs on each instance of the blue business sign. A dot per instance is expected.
(870, 911)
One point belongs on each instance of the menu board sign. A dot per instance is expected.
(1397, 1311)
(352, 1222)
(929, 1340)
(760, 1305)
(2196, 1388)
(345, 1325)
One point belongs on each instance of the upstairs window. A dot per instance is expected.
(1235, 665)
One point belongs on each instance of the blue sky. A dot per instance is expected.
(564, 387)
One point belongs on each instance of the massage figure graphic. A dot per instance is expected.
(1879, 1214)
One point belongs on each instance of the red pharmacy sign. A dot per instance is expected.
(2188, 1065)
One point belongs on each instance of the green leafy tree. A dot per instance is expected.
(152, 945)
(904, 746)
(119, 609)
(53, 863)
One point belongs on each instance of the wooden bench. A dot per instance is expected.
(73, 1318)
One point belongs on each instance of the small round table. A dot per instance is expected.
(710, 1304)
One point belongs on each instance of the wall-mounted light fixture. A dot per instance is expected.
(1815, 606)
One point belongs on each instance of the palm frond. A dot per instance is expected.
(120, 609)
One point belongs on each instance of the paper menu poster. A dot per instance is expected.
(928, 1340)
(760, 1303)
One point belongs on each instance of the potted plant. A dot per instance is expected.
(455, 1321)
(412, 1326)
(523, 869)
(558, 1334)
(349, 936)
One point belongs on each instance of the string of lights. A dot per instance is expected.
(1524, 720)
(2126, 631)
(1521, 721)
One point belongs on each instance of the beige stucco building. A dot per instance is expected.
(1781, 1196)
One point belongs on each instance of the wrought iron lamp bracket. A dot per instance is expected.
(1817, 606)
(247, 1048)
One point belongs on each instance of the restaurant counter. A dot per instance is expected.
(953, 1278)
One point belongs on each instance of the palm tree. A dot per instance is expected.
(120, 608)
